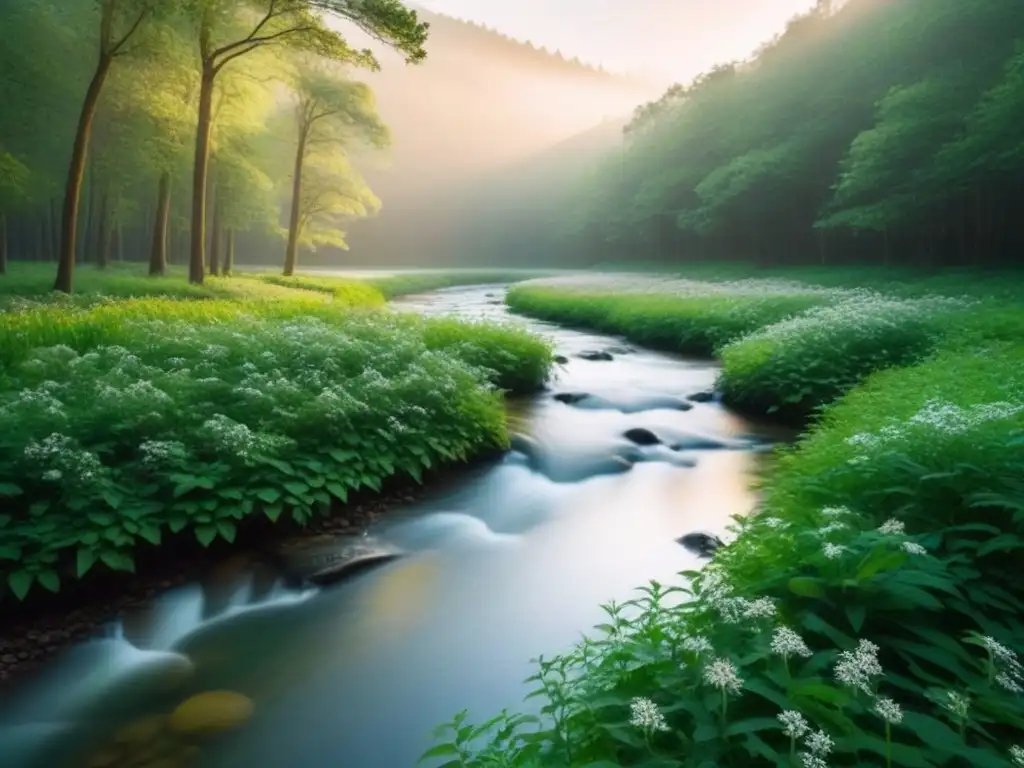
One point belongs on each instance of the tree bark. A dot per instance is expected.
(215, 236)
(200, 171)
(3, 243)
(103, 232)
(291, 254)
(118, 242)
(229, 253)
(76, 171)
(54, 229)
(158, 249)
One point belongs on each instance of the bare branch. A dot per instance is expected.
(257, 42)
(270, 15)
(116, 50)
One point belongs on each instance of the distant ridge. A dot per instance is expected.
(473, 35)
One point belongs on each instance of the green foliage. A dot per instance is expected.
(128, 421)
(795, 366)
(872, 600)
(691, 324)
(853, 136)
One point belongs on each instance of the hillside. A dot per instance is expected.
(480, 103)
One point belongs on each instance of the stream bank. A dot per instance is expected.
(511, 560)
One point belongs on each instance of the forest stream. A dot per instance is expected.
(511, 561)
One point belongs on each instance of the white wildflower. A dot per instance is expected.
(1009, 682)
(722, 674)
(819, 743)
(697, 644)
(888, 710)
(1017, 755)
(913, 548)
(892, 527)
(856, 668)
(999, 651)
(794, 724)
(761, 608)
(646, 716)
(958, 704)
(812, 761)
(786, 643)
(832, 551)
(825, 530)
(834, 512)
(773, 522)
(52, 475)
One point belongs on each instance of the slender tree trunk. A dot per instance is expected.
(103, 231)
(291, 254)
(54, 229)
(3, 243)
(200, 170)
(229, 252)
(118, 242)
(215, 235)
(76, 170)
(158, 249)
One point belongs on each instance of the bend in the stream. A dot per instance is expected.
(511, 562)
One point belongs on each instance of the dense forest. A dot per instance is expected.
(137, 128)
(870, 130)
(303, 135)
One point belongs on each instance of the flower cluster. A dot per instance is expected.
(858, 667)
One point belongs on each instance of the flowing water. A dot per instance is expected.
(511, 562)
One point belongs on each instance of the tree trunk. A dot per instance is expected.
(118, 242)
(158, 249)
(54, 229)
(229, 253)
(200, 170)
(215, 236)
(103, 232)
(291, 254)
(76, 170)
(3, 243)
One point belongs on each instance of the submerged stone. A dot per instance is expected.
(701, 397)
(595, 355)
(561, 359)
(324, 560)
(641, 436)
(211, 712)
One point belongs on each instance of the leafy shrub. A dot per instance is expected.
(164, 416)
(867, 615)
(695, 324)
(799, 364)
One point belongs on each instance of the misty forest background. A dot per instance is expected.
(868, 131)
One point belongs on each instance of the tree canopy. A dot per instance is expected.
(867, 130)
(137, 115)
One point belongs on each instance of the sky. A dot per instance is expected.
(672, 40)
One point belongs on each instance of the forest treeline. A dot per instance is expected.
(869, 131)
(157, 126)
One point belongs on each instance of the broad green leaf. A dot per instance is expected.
(20, 582)
(85, 558)
(49, 580)
(205, 534)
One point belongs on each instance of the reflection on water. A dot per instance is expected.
(511, 563)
